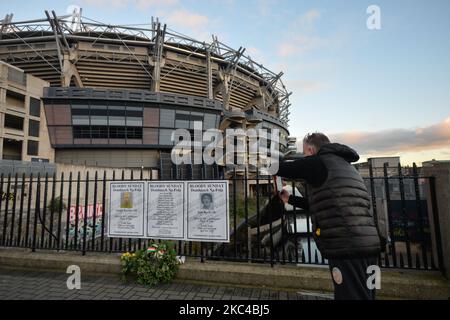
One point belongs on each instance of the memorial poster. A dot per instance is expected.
(126, 209)
(173, 210)
(207, 211)
(165, 210)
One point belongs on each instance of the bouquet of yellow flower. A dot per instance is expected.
(156, 264)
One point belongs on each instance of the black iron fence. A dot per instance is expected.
(68, 212)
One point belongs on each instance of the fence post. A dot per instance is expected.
(437, 228)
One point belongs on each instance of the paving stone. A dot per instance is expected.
(43, 285)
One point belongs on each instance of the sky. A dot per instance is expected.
(385, 92)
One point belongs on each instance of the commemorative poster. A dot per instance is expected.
(126, 209)
(207, 211)
(172, 210)
(165, 210)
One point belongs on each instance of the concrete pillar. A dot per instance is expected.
(209, 76)
(440, 173)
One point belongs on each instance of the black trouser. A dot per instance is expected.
(350, 278)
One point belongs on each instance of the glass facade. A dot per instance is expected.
(103, 122)
(131, 123)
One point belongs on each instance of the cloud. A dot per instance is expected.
(187, 19)
(287, 49)
(308, 19)
(433, 137)
(140, 4)
(256, 54)
(301, 44)
(168, 11)
(144, 4)
(301, 37)
(264, 7)
(109, 3)
(307, 86)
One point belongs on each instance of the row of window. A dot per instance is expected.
(156, 136)
(107, 132)
(101, 110)
(16, 99)
(15, 122)
(100, 115)
(132, 115)
(183, 119)
(12, 149)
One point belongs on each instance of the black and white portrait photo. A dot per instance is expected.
(207, 201)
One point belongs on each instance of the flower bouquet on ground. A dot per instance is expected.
(156, 264)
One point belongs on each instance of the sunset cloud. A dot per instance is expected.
(434, 137)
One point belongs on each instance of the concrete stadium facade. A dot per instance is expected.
(116, 93)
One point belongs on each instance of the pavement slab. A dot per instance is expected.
(47, 285)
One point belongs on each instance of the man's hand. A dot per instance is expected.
(284, 196)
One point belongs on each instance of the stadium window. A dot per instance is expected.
(99, 110)
(195, 117)
(99, 132)
(13, 122)
(116, 121)
(80, 119)
(210, 121)
(82, 132)
(32, 148)
(35, 107)
(134, 111)
(116, 115)
(99, 115)
(15, 99)
(134, 132)
(80, 109)
(134, 121)
(182, 119)
(117, 111)
(33, 128)
(117, 132)
(165, 137)
(166, 118)
(99, 121)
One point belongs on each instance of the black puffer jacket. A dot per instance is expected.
(343, 223)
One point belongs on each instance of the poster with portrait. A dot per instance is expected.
(207, 211)
(126, 209)
(165, 210)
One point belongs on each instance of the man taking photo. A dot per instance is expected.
(344, 228)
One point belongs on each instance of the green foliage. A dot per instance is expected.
(54, 205)
(156, 264)
(10, 196)
(240, 208)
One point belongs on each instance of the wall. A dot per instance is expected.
(109, 158)
(441, 172)
(30, 87)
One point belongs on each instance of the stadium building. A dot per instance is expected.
(112, 95)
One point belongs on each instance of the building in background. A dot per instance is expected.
(114, 94)
(434, 162)
(377, 166)
(23, 130)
